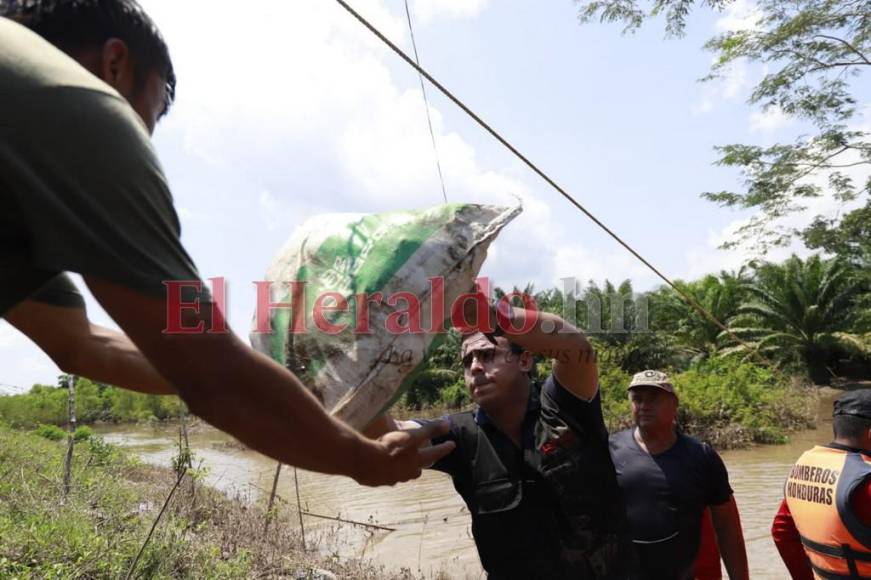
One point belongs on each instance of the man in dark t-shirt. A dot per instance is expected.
(668, 479)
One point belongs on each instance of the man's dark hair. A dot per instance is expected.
(74, 25)
(850, 426)
(517, 350)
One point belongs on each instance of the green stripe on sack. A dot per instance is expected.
(370, 253)
(361, 260)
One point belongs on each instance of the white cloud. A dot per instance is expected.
(769, 120)
(731, 86)
(427, 10)
(8, 334)
(710, 259)
(269, 206)
(308, 66)
(703, 106)
(739, 15)
(579, 261)
(735, 81)
(734, 84)
(332, 95)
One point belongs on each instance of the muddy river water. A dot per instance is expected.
(430, 525)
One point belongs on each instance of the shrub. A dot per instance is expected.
(99, 452)
(94, 402)
(51, 432)
(455, 395)
(83, 433)
(426, 386)
(730, 403)
(615, 399)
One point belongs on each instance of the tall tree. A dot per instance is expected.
(813, 49)
(802, 313)
(616, 319)
(850, 238)
(695, 335)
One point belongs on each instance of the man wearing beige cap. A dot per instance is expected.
(668, 479)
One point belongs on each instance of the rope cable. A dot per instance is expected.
(425, 102)
(422, 72)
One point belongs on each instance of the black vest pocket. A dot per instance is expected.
(497, 495)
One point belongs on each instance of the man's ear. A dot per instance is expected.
(116, 68)
(526, 361)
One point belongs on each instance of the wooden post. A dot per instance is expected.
(68, 462)
(185, 446)
(271, 498)
(184, 426)
(299, 508)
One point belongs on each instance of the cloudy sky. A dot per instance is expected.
(287, 109)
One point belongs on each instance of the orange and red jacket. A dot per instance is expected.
(817, 493)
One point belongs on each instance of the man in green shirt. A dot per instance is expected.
(82, 86)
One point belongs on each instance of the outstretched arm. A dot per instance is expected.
(260, 402)
(549, 335)
(79, 347)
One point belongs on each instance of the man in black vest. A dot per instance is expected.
(532, 461)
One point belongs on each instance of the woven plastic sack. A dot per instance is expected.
(359, 365)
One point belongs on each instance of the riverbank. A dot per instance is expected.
(114, 499)
(423, 525)
(426, 525)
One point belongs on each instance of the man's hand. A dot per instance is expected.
(475, 314)
(401, 455)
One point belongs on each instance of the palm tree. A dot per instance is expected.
(696, 335)
(801, 313)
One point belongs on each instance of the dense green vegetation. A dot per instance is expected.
(98, 529)
(723, 401)
(805, 315)
(808, 318)
(94, 402)
(799, 321)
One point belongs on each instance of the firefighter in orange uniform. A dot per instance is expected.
(827, 506)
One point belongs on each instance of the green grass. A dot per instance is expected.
(97, 531)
